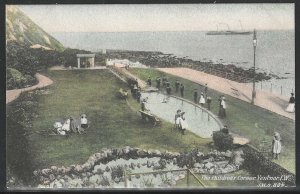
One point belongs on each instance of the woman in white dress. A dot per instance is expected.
(223, 107)
(276, 145)
(291, 106)
(66, 126)
(202, 99)
(182, 123)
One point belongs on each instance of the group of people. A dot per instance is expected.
(71, 125)
(163, 82)
(180, 121)
(203, 98)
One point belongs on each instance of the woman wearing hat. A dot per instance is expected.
(276, 145)
(291, 106)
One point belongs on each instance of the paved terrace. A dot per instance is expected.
(266, 100)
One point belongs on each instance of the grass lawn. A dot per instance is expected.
(113, 122)
(247, 120)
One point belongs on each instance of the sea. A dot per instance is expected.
(275, 51)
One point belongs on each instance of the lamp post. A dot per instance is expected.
(254, 47)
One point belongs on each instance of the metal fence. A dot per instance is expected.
(189, 174)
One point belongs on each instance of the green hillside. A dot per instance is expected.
(21, 28)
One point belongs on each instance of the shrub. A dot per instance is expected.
(223, 141)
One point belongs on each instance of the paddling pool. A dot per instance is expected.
(200, 121)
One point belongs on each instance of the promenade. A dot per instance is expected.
(272, 102)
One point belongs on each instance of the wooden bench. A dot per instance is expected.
(150, 117)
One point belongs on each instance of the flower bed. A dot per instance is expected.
(107, 168)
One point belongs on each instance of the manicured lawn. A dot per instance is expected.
(244, 119)
(113, 123)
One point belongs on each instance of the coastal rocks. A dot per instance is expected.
(228, 71)
(107, 167)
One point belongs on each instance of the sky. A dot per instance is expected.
(168, 17)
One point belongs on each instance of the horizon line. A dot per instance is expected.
(167, 31)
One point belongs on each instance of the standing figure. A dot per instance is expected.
(202, 100)
(223, 107)
(291, 106)
(181, 90)
(167, 83)
(177, 85)
(134, 91)
(168, 89)
(183, 124)
(149, 81)
(164, 81)
(158, 82)
(220, 106)
(177, 119)
(208, 102)
(138, 95)
(276, 145)
(205, 90)
(195, 95)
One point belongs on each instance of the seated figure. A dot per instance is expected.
(58, 127)
(83, 124)
(66, 126)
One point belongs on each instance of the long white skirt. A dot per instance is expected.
(290, 107)
(177, 122)
(184, 124)
(277, 147)
(202, 100)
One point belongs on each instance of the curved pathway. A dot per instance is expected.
(44, 81)
(272, 102)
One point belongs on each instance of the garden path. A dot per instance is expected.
(272, 102)
(44, 81)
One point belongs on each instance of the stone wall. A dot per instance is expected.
(83, 175)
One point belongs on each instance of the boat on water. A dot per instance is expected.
(229, 32)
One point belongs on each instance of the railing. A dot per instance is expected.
(274, 88)
(262, 85)
(209, 113)
(189, 173)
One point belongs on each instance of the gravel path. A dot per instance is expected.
(266, 100)
(44, 81)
